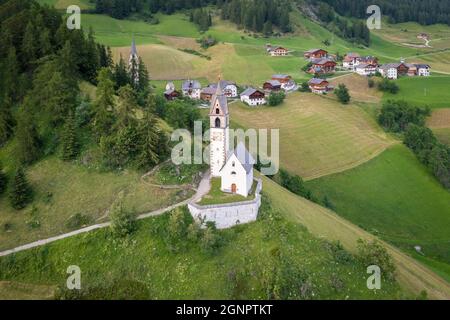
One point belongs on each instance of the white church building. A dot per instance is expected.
(233, 167)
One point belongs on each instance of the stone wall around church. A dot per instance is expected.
(230, 214)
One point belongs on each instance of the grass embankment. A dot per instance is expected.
(272, 255)
(62, 190)
(395, 197)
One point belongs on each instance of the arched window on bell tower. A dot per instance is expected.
(217, 111)
(217, 123)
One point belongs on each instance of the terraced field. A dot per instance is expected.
(318, 136)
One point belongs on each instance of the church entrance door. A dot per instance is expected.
(233, 188)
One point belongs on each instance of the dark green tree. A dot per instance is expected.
(28, 145)
(3, 180)
(20, 192)
(342, 94)
(69, 141)
(104, 104)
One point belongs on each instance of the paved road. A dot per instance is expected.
(202, 190)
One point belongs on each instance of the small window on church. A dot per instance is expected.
(233, 173)
(233, 164)
(217, 111)
(217, 123)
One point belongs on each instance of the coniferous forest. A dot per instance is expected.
(425, 12)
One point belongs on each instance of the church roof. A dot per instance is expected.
(244, 157)
(221, 98)
(133, 48)
(191, 84)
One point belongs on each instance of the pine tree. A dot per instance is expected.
(28, 142)
(126, 107)
(12, 71)
(150, 137)
(45, 46)
(121, 77)
(6, 120)
(69, 139)
(104, 104)
(20, 194)
(143, 77)
(3, 180)
(29, 49)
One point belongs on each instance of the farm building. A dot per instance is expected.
(286, 81)
(350, 60)
(192, 89)
(423, 70)
(171, 93)
(393, 70)
(320, 86)
(315, 54)
(253, 97)
(322, 66)
(229, 88)
(272, 85)
(366, 69)
(277, 51)
(207, 93)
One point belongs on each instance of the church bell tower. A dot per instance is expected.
(219, 131)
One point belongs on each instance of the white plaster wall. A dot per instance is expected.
(228, 215)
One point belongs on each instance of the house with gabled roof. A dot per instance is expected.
(322, 66)
(253, 97)
(272, 85)
(321, 86)
(192, 89)
(315, 54)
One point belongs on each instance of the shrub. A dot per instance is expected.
(78, 220)
(373, 253)
(387, 85)
(342, 94)
(371, 83)
(211, 239)
(123, 222)
(276, 98)
(304, 87)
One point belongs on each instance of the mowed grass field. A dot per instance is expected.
(62, 190)
(318, 136)
(423, 91)
(358, 88)
(394, 196)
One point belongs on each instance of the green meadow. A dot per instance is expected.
(146, 265)
(395, 197)
(431, 91)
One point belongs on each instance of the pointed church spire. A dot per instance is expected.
(219, 91)
(133, 48)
